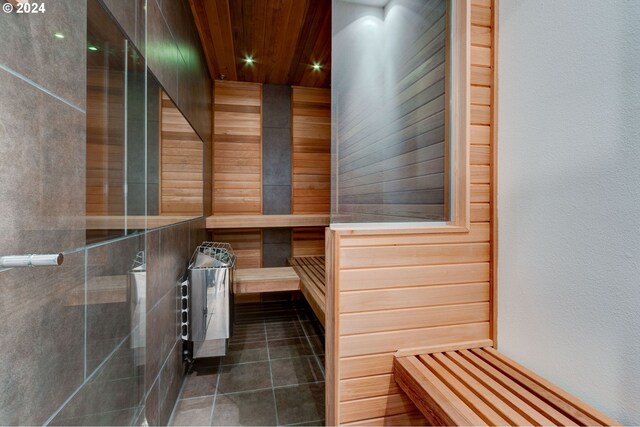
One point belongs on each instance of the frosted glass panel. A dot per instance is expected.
(389, 92)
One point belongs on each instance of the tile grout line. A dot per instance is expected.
(215, 393)
(317, 359)
(273, 390)
(41, 88)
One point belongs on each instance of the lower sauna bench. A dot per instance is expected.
(272, 279)
(481, 386)
(310, 269)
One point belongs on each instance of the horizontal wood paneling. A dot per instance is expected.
(246, 244)
(237, 148)
(311, 150)
(391, 156)
(307, 241)
(181, 163)
(405, 290)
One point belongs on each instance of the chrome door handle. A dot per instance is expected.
(33, 260)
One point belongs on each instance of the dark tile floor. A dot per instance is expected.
(272, 375)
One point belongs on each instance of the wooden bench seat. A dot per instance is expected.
(312, 282)
(272, 279)
(481, 386)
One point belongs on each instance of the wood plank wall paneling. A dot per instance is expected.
(307, 241)
(105, 142)
(392, 158)
(311, 164)
(311, 150)
(181, 163)
(237, 145)
(439, 285)
(246, 244)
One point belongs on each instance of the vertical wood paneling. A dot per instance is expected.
(181, 163)
(237, 147)
(409, 273)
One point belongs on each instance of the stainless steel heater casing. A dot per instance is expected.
(210, 311)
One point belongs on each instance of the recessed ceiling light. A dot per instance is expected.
(249, 60)
(92, 48)
(316, 66)
(58, 35)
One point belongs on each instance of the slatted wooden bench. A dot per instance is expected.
(481, 386)
(271, 279)
(312, 282)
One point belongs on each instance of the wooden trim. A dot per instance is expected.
(443, 348)
(494, 175)
(266, 221)
(332, 322)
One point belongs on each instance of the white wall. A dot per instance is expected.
(569, 196)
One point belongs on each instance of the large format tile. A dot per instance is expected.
(130, 15)
(276, 254)
(161, 334)
(193, 412)
(276, 199)
(293, 371)
(111, 397)
(30, 48)
(276, 106)
(246, 352)
(43, 202)
(171, 378)
(276, 156)
(291, 347)
(162, 50)
(201, 383)
(42, 337)
(244, 377)
(282, 330)
(255, 408)
(112, 297)
(301, 403)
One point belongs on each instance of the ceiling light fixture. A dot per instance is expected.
(58, 35)
(249, 60)
(316, 66)
(92, 48)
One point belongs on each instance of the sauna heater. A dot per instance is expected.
(207, 299)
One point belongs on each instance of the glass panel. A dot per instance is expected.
(144, 160)
(175, 161)
(115, 121)
(390, 158)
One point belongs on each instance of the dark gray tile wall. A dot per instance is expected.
(276, 170)
(84, 343)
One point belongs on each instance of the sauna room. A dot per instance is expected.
(319, 212)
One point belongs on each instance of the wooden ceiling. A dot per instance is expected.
(285, 37)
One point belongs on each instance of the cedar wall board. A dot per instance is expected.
(388, 292)
(181, 163)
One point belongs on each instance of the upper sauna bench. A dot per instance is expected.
(267, 221)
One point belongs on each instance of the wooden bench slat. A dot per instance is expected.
(482, 386)
(491, 395)
(577, 416)
(479, 406)
(601, 418)
(434, 399)
(544, 414)
(312, 282)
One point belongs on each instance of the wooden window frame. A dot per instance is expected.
(458, 189)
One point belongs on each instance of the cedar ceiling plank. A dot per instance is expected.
(200, 18)
(321, 52)
(318, 14)
(220, 40)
